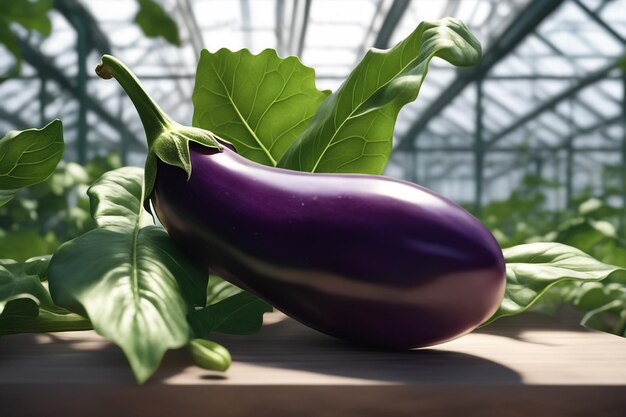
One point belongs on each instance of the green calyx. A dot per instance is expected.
(167, 139)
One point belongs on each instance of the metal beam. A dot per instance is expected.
(508, 110)
(244, 7)
(514, 150)
(43, 98)
(565, 142)
(479, 150)
(75, 13)
(623, 167)
(82, 49)
(195, 33)
(292, 28)
(594, 16)
(278, 28)
(519, 28)
(304, 27)
(589, 80)
(395, 13)
(368, 32)
(15, 120)
(44, 66)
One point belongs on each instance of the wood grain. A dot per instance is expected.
(518, 366)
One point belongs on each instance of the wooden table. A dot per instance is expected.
(523, 366)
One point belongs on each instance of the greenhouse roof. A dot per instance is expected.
(547, 67)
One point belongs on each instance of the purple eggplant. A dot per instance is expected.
(364, 258)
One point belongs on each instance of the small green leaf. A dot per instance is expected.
(259, 103)
(7, 195)
(533, 268)
(45, 322)
(25, 302)
(209, 355)
(600, 317)
(156, 22)
(21, 245)
(220, 289)
(621, 63)
(22, 307)
(31, 14)
(353, 129)
(240, 314)
(135, 286)
(593, 295)
(23, 296)
(21, 287)
(37, 265)
(28, 157)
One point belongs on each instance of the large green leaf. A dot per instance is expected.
(241, 313)
(135, 286)
(353, 129)
(260, 103)
(156, 22)
(118, 210)
(533, 268)
(28, 157)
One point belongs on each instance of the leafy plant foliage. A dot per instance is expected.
(531, 269)
(25, 302)
(31, 15)
(590, 225)
(135, 293)
(155, 22)
(260, 103)
(28, 157)
(353, 130)
(120, 273)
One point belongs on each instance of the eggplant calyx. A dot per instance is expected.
(167, 139)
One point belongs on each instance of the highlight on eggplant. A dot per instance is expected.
(364, 258)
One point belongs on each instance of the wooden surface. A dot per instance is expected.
(518, 366)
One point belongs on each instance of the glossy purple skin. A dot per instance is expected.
(363, 258)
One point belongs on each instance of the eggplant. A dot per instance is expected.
(364, 258)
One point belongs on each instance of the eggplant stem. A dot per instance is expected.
(154, 120)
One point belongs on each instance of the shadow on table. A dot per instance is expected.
(290, 345)
(515, 327)
(81, 358)
(283, 344)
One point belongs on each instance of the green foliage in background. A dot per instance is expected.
(155, 22)
(591, 224)
(31, 15)
(51, 212)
